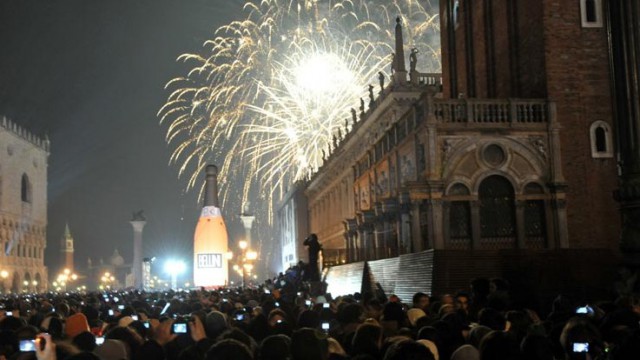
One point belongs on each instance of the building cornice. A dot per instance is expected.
(18, 131)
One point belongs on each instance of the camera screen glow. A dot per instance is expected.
(580, 347)
(180, 328)
(27, 345)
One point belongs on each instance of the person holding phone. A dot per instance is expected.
(45, 347)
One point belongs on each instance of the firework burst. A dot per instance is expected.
(269, 93)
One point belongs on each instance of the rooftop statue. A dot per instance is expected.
(413, 59)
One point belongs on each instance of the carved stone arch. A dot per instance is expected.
(534, 150)
(480, 178)
(450, 189)
(455, 151)
(522, 159)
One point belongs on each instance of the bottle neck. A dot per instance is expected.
(211, 192)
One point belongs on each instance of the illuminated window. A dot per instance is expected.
(601, 140)
(591, 13)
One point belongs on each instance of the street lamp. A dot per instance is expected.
(174, 268)
(106, 281)
(63, 278)
(244, 263)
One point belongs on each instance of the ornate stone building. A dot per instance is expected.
(508, 156)
(23, 209)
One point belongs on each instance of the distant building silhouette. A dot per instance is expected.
(66, 250)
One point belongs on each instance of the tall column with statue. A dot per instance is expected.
(138, 222)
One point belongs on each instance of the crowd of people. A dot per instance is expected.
(279, 322)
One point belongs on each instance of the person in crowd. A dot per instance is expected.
(408, 350)
(288, 323)
(275, 347)
(367, 340)
(462, 302)
(421, 301)
(309, 344)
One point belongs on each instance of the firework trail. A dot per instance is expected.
(268, 93)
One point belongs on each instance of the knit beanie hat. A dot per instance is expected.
(76, 324)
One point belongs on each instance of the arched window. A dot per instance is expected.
(25, 189)
(601, 140)
(497, 213)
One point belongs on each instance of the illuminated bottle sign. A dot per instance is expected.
(211, 241)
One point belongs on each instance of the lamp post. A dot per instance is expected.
(63, 279)
(106, 281)
(174, 268)
(244, 263)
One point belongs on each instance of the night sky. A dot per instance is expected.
(90, 74)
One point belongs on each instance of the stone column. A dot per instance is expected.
(559, 205)
(520, 224)
(475, 224)
(405, 231)
(436, 232)
(138, 226)
(247, 222)
(416, 231)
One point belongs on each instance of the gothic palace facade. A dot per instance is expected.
(23, 209)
